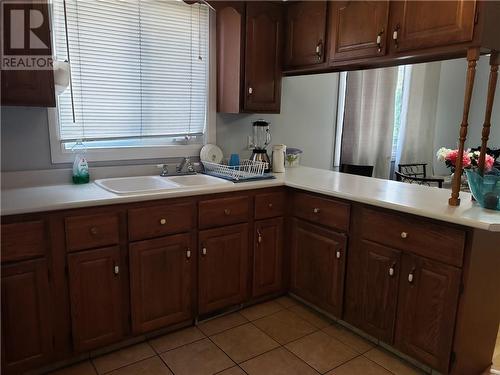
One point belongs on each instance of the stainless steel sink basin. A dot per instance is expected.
(136, 185)
(155, 184)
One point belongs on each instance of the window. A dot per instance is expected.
(139, 74)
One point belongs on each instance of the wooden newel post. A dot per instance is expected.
(472, 57)
(492, 84)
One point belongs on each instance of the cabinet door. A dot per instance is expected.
(318, 265)
(268, 257)
(264, 25)
(223, 267)
(424, 24)
(305, 33)
(380, 292)
(29, 87)
(428, 299)
(26, 316)
(358, 29)
(96, 299)
(161, 275)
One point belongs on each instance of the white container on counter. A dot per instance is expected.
(279, 158)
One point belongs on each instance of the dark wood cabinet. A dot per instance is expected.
(318, 265)
(428, 299)
(426, 24)
(96, 297)
(305, 33)
(358, 29)
(161, 281)
(223, 267)
(380, 281)
(268, 257)
(263, 57)
(33, 88)
(27, 326)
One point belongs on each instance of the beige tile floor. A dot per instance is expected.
(280, 337)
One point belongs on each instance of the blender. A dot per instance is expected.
(261, 139)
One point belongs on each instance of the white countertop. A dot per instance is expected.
(413, 199)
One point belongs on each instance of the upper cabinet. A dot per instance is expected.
(305, 33)
(249, 51)
(33, 88)
(426, 24)
(358, 29)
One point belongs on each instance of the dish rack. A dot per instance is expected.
(247, 170)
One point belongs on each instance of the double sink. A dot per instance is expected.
(155, 184)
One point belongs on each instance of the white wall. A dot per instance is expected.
(450, 107)
(307, 121)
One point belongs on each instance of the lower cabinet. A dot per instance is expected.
(161, 281)
(318, 265)
(27, 325)
(96, 297)
(428, 299)
(268, 257)
(223, 266)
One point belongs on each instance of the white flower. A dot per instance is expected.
(441, 153)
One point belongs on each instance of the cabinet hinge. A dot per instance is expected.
(453, 358)
(49, 276)
(476, 17)
(461, 288)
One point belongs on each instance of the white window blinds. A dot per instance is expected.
(139, 68)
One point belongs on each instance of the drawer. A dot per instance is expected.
(92, 231)
(223, 211)
(425, 238)
(23, 240)
(327, 212)
(269, 205)
(156, 221)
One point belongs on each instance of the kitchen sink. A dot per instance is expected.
(155, 184)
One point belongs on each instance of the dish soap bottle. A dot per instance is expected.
(80, 165)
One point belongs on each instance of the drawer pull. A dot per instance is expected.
(316, 210)
(404, 235)
(411, 276)
(259, 236)
(270, 205)
(116, 270)
(188, 253)
(93, 231)
(163, 221)
(204, 251)
(227, 212)
(338, 254)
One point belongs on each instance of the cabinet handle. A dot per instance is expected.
(116, 269)
(404, 235)
(338, 254)
(93, 231)
(188, 253)
(270, 205)
(204, 251)
(395, 35)
(259, 236)
(316, 210)
(379, 40)
(391, 269)
(250, 91)
(227, 212)
(319, 49)
(411, 275)
(163, 221)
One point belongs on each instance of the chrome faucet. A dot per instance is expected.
(185, 167)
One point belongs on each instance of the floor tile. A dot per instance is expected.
(244, 342)
(392, 363)
(84, 368)
(285, 326)
(261, 310)
(286, 301)
(232, 371)
(348, 337)
(175, 339)
(217, 325)
(123, 357)
(311, 316)
(150, 366)
(198, 358)
(321, 351)
(277, 362)
(358, 366)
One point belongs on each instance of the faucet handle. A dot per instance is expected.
(164, 169)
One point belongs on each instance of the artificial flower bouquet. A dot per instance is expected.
(470, 159)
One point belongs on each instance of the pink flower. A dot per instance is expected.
(488, 162)
(452, 158)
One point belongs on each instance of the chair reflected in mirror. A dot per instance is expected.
(436, 182)
(360, 170)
